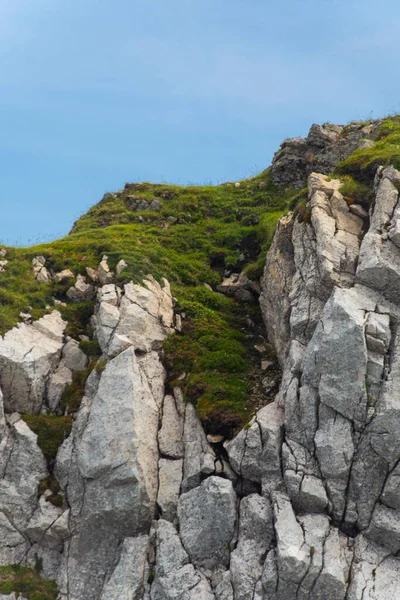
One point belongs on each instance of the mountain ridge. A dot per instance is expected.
(156, 442)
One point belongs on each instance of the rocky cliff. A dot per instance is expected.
(114, 486)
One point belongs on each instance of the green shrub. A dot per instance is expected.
(90, 348)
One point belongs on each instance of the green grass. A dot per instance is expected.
(51, 484)
(51, 431)
(216, 225)
(73, 393)
(356, 192)
(90, 348)
(362, 164)
(198, 233)
(27, 583)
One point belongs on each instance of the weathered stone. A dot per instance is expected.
(155, 204)
(199, 456)
(105, 274)
(385, 528)
(379, 264)
(156, 375)
(127, 580)
(374, 575)
(391, 491)
(174, 576)
(170, 441)
(170, 479)
(42, 520)
(24, 469)
(28, 355)
(358, 210)
(112, 473)
(73, 357)
(136, 203)
(40, 272)
(335, 450)
(293, 554)
(207, 519)
(56, 386)
(93, 274)
(256, 533)
(224, 589)
(324, 147)
(255, 452)
(81, 291)
(63, 276)
(109, 293)
(121, 266)
(108, 317)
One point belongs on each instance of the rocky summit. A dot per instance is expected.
(200, 387)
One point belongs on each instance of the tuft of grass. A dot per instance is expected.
(73, 393)
(362, 164)
(356, 192)
(77, 315)
(26, 582)
(51, 431)
(51, 484)
(212, 351)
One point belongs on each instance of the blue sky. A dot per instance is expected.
(97, 93)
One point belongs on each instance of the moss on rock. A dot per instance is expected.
(27, 583)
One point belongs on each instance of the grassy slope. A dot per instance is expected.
(198, 233)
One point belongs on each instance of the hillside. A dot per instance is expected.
(200, 397)
(196, 235)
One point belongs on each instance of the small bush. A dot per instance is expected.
(90, 348)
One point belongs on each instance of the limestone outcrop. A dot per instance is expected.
(340, 450)
(29, 354)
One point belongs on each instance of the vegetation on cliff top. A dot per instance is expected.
(197, 234)
(362, 164)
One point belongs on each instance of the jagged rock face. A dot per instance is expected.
(111, 477)
(340, 382)
(141, 316)
(323, 148)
